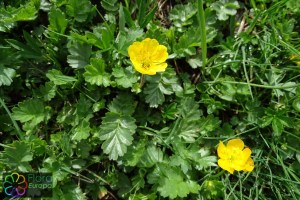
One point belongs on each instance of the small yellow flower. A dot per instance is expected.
(148, 56)
(295, 57)
(235, 156)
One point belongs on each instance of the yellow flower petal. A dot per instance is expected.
(236, 143)
(134, 51)
(246, 154)
(249, 166)
(160, 55)
(222, 151)
(224, 164)
(292, 57)
(234, 156)
(148, 56)
(158, 68)
(150, 44)
(138, 67)
(237, 160)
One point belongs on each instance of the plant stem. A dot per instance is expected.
(12, 120)
(142, 80)
(254, 85)
(217, 175)
(201, 19)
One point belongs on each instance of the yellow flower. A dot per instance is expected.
(295, 57)
(148, 56)
(234, 156)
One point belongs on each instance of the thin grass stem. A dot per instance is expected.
(201, 19)
(281, 86)
(19, 132)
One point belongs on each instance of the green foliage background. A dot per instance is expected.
(71, 103)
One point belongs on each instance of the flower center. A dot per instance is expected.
(234, 155)
(145, 65)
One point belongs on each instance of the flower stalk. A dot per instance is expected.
(142, 80)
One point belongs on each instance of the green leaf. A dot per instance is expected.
(134, 153)
(177, 160)
(174, 187)
(208, 124)
(140, 196)
(202, 157)
(83, 108)
(6, 75)
(266, 120)
(171, 183)
(25, 12)
(83, 149)
(124, 77)
(152, 156)
(95, 73)
(81, 10)
(188, 127)
(229, 91)
(190, 39)
(57, 168)
(67, 115)
(58, 78)
(188, 130)
(30, 50)
(123, 104)
(212, 104)
(189, 109)
(224, 8)
(194, 62)
(82, 131)
(101, 37)
(123, 185)
(99, 105)
(57, 21)
(62, 140)
(125, 39)
(181, 15)
(5, 16)
(213, 189)
(154, 95)
(18, 154)
(170, 111)
(47, 91)
(187, 155)
(122, 18)
(127, 16)
(8, 56)
(116, 131)
(296, 104)
(67, 191)
(143, 18)
(278, 119)
(277, 126)
(38, 146)
(33, 43)
(79, 54)
(187, 43)
(31, 110)
(110, 5)
(159, 85)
